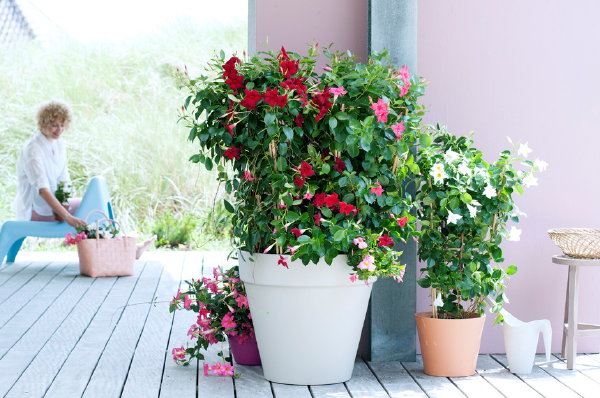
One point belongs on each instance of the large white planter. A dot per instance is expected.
(308, 319)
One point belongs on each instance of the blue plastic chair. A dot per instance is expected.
(13, 233)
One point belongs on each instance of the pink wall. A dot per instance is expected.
(296, 24)
(529, 70)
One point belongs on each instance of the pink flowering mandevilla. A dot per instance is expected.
(222, 308)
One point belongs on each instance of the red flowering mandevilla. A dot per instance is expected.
(315, 160)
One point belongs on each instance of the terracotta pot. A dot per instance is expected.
(449, 346)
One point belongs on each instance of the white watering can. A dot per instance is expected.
(521, 339)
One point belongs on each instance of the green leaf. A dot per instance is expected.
(197, 158)
(511, 270)
(228, 206)
(339, 235)
(365, 142)
(465, 197)
(270, 118)
(289, 133)
(303, 238)
(208, 164)
(287, 200)
(342, 116)
(332, 123)
(281, 164)
(424, 140)
(292, 216)
(326, 168)
(519, 189)
(326, 212)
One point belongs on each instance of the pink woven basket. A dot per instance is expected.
(106, 257)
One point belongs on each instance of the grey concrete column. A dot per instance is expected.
(390, 332)
(251, 27)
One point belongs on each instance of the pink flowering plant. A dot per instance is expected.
(466, 210)
(314, 161)
(222, 308)
(102, 231)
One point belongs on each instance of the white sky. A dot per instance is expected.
(108, 20)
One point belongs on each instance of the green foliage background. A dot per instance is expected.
(125, 100)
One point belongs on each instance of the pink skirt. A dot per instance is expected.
(73, 206)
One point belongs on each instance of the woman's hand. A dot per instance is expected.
(60, 211)
(75, 222)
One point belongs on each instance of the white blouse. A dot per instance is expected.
(41, 164)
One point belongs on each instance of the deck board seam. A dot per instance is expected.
(516, 375)
(578, 370)
(22, 268)
(25, 283)
(378, 379)
(81, 335)
(122, 309)
(415, 379)
(53, 333)
(36, 319)
(489, 382)
(457, 387)
(162, 374)
(549, 374)
(142, 329)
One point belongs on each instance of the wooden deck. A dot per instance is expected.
(64, 335)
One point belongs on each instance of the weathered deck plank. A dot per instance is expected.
(110, 374)
(73, 377)
(396, 380)
(42, 292)
(252, 384)
(588, 366)
(39, 375)
(290, 391)
(475, 387)
(330, 391)
(433, 386)
(33, 277)
(507, 383)
(542, 382)
(145, 373)
(179, 381)
(27, 347)
(364, 383)
(11, 270)
(573, 379)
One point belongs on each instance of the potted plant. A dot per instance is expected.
(223, 314)
(314, 165)
(465, 207)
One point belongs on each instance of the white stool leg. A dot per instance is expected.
(572, 318)
(563, 352)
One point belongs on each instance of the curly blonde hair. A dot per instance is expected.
(53, 111)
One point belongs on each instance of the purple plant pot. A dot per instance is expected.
(246, 352)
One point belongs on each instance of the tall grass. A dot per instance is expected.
(125, 102)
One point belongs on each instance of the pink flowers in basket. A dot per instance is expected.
(105, 231)
(73, 239)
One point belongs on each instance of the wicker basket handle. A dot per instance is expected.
(105, 218)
